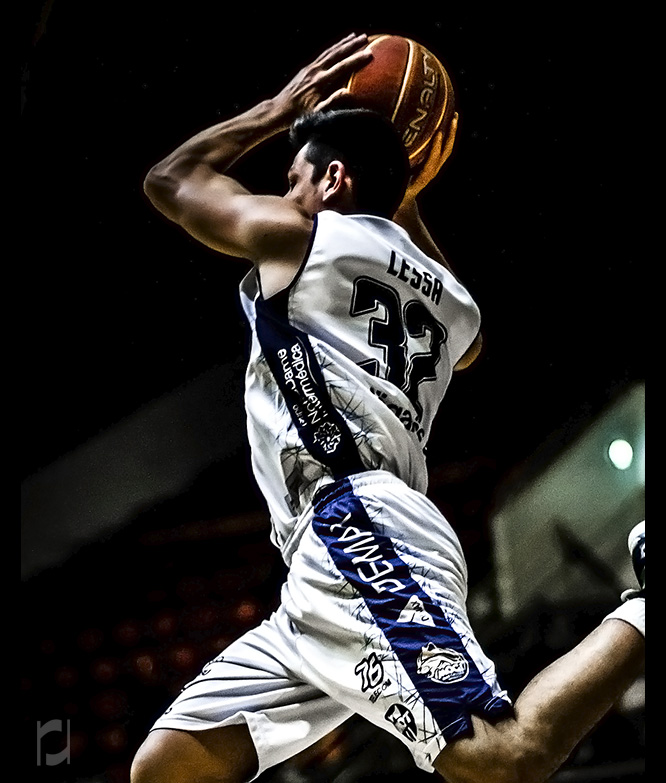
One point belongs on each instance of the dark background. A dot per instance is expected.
(538, 210)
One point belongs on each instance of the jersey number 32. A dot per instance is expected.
(408, 335)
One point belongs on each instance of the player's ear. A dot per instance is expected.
(338, 186)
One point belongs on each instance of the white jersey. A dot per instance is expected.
(349, 364)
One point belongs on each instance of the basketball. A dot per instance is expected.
(409, 85)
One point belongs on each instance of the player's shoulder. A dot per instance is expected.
(275, 228)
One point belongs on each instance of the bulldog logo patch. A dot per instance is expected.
(442, 665)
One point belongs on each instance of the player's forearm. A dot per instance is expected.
(212, 152)
(409, 217)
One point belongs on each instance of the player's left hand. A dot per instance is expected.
(439, 151)
(317, 85)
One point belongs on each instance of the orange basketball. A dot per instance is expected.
(409, 85)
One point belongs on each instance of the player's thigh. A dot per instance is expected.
(219, 755)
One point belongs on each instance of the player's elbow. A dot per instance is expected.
(161, 189)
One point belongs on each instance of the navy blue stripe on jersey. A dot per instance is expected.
(430, 650)
(294, 365)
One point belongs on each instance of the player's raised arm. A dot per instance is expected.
(191, 187)
(409, 217)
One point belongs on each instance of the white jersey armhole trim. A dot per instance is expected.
(285, 291)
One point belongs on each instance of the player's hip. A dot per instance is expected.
(368, 518)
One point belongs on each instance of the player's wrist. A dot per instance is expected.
(273, 115)
(408, 211)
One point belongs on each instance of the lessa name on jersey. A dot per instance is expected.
(429, 285)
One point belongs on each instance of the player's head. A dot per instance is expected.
(354, 159)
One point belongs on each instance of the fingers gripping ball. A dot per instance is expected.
(409, 85)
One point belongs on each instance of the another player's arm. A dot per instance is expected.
(192, 188)
(409, 217)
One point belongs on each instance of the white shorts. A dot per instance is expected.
(372, 622)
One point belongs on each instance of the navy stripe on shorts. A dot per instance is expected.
(429, 649)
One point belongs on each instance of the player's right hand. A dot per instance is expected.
(317, 85)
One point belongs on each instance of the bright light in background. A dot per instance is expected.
(621, 454)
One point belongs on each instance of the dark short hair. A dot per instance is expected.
(369, 146)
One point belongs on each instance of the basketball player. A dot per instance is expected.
(358, 325)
